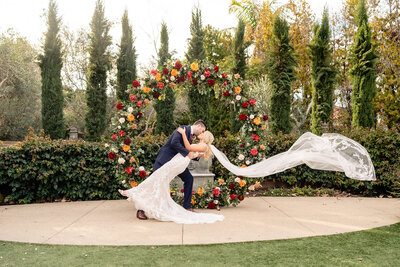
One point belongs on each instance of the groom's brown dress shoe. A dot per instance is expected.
(140, 215)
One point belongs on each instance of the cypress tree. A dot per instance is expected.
(50, 64)
(322, 75)
(126, 62)
(281, 71)
(199, 103)
(363, 75)
(165, 107)
(99, 64)
(239, 67)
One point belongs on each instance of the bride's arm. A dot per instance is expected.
(195, 148)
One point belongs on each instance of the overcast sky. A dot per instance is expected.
(27, 18)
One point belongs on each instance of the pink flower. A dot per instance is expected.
(132, 98)
(160, 85)
(114, 137)
(139, 104)
(129, 170)
(189, 75)
(255, 137)
(254, 151)
(252, 102)
(207, 73)
(154, 72)
(216, 192)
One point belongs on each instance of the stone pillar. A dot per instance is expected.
(201, 173)
(73, 133)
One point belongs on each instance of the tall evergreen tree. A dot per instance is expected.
(50, 64)
(363, 75)
(99, 65)
(281, 71)
(199, 103)
(165, 107)
(240, 67)
(322, 75)
(126, 62)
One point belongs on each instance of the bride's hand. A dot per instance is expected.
(181, 131)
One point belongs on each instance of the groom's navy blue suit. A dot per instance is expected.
(174, 146)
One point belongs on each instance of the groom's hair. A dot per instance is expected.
(201, 122)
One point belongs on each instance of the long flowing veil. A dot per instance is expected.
(331, 151)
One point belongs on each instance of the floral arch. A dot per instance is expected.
(230, 89)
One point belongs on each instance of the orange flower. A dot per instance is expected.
(146, 101)
(257, 185)
(132, 160)
(174, 72)
(243, 166)
(126, 148)
(257, 121)
(130, 118)
(238, 90)
(133, 126)
(262, 147)
(194, 66)
(193, 201)
(172, 85)
(146, 89)
(158, 76)
(200, 191)
(134, 184)
(242, 183)
(221, 181)
(263, 127)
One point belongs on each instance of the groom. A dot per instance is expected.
(174, 146)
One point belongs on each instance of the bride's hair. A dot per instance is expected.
(208, 138)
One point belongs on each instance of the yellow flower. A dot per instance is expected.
(194, 66)
(146, 89)
(221, 181)
(174, 72)
(158, 76)
(257, 121)
(130, 118)
(134, 126)
(243, 166)
(238, 90)
(200, 191)
(263, 127)
(132, 160)
(134, 184)
(171, 191)
(242, 183)
(262, 147)
(193, 201)
(126, 148)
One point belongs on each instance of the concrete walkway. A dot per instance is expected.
(258, 218)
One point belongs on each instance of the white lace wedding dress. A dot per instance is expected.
(153, 196)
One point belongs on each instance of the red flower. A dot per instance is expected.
(265, 117)
(192, 192)
(165, 71)
(232, 186)
(211, 82)
(225, 83)
(135, 83)
(224, 75)
(129, 170)
(114, 137)
(156, 95)
(216, 192)
(211, 205)
(207, 73)
(132, 97)
(181, 79)
(154, 72)
(233, 196)
(194, 82)
(255, 137)
(189, 75)
(142, 174)
(254, 151)
(226, 93)
(127, 141)
(216, 68)
(241, 145)
(245, 105)
(242, 116)
(120, 106)
(241, 198)
(139, 115)
(160, 85)
(111, 155)
(178, 65)
(121, 133)
(139, 104)
(182, 190)
(252, 102)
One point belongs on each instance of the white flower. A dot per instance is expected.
(106, 145)
(238, 97)
(115, 150)
(123, 181)
(247, 144)
(237, 180)
(121, 120)
(232, 102)
(172, 78)
(216, 202)
(141, 168)
(121, 161)
(218, 188)
(241, 157)
(229, 77)
(119, 127)
(202, 77)
(130, 109)
(248, 162)
(251, 117)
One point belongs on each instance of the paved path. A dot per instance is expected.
(259, 218)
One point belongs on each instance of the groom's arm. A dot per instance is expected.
(176, 142)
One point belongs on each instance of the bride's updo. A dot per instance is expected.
(208, 138)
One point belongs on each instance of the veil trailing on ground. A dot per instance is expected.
(331, 151)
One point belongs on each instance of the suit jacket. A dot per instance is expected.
(173, 146)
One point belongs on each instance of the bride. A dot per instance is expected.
(153, 194)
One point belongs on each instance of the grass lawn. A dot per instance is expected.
(375, 247)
